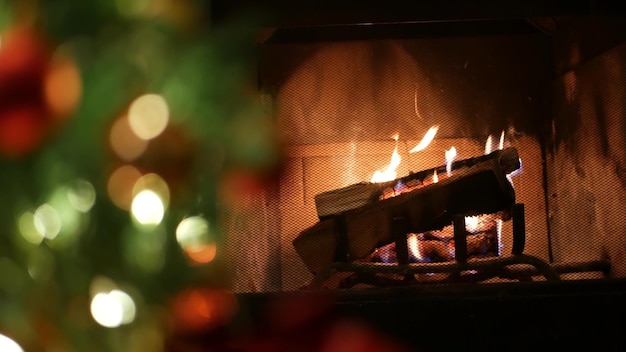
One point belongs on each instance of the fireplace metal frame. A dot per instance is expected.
(517, 266)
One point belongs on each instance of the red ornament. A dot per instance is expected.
(27, 113)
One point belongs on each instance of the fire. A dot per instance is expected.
(501, 146)
(428, 137)
(388, 172)
(450, 155)
(489, 143)
(471, 223)
(413, 244)
(435, 177)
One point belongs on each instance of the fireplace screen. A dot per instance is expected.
(413, 161)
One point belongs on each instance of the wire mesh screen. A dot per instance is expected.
(349, 110)
(587, 194)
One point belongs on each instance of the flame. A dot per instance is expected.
(413, 244)
(489, 143)
(499, 234)
(388, 172)
(428, 137)
(450, 155)
(471, 223)
(435, 177)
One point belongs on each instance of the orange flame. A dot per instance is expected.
(428, 137)
(388, 172)
(435, 177)
(488, 145)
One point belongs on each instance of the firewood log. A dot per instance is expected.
(480, 187)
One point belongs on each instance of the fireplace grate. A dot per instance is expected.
(517, 266)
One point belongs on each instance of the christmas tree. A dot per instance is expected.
(119, 122)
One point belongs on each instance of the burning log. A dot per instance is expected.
(350, 230)
(357, 195)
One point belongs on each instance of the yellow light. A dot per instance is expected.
(8, 345)
(147, 208)
(193, 236)
(110, 306)
(154, 183)
(107, 310)
(191, 231)
(47, 221)
(128, 305)
(124, 142)
(148, 116)
(82, 195)
(28, 230)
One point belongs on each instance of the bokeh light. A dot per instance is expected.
(82, 195)
(110, 306)
(9, 345)
(202, 254)
(124, 142)
(107, 310)
(47, 221)
(154, 183)
(63, 87)
(193, 235)
(148, 116)
(28, 230)
(203, 309)
(128, 305)
(120, 186)
(147, 208)
(192, 231)
(65, 199)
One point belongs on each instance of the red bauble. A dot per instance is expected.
(21, 131)
(30, 103)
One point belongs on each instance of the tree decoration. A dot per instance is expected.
(118, 119)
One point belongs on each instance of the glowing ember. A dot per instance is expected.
(388, 172)
(450, 155)
(428, 137)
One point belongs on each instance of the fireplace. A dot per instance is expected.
(342, 91)
(352, 86)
